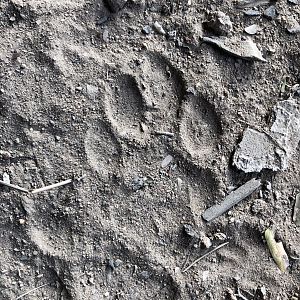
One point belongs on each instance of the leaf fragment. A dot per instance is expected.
(277, 250)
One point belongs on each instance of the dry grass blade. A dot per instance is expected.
(55, 185)
(205, 255)
(27, 293)
(52, 186)
(15, 187)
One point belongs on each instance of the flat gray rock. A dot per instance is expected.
(258, 151)
(270, 12)
(252, 29)
(286, 127)
(272, 150)
(245, 49)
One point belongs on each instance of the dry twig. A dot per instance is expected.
(32, 290)
(205, 255)
(13, 186)
(166, 133)
(55, 185)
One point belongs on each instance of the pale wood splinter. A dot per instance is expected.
(15, 187)
(55, 185)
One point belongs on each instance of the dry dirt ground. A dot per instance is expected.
(83, 91)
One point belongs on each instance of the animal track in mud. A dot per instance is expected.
(102, 150)
(200, 126)
(155, 96)
(124, 105)
(155, 91)
(163, 89)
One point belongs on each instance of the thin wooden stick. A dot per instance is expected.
(205, 255)
(55, 185)
(13, 186)
(166, 133)
(25, 294)
(232, 199)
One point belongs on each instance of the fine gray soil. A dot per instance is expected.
(85, 91)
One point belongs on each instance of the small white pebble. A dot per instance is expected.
(22, 221)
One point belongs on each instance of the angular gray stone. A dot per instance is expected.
(220, 23)
(158, 28)
(147, 29)
(244, 49)
(166, 161)
(190, 231)
(272, 150)
(252, 29)
(138, 183)
(258, 151)
(286, 127)
(270, 12)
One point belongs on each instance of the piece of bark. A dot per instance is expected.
(232, 199)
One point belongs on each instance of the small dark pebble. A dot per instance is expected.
(118, 263)
(144, 275)
(115, 5)
(102, 20)
(138, 183)
(147, 29)
(111, 264)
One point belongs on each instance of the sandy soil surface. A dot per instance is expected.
(87, 87)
